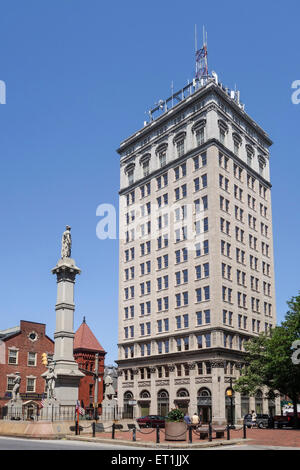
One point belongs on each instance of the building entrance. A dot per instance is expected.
(204, 405)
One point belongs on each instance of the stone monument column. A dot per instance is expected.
(66, 368)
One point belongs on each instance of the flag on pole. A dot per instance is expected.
(43, 402)
(79, 409)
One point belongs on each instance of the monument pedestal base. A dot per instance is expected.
(15, 409)
(50, 410)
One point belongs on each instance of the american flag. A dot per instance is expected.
(43, 401)
(79, 409)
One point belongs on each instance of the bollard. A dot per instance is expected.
(94, 428)
(244, 431)
(157, 434)
(228, 432)
(209, 432)
(113, 431)
(134, 434)
(190, 435)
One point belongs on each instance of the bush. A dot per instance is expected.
(175, 415)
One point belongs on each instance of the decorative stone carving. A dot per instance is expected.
(182, 381)
(127, 385)
(217, 364)
(227, 379)
(162, 382)
(171, 367)
(191, 365)
(203, 380)
(144, 384)
(152, 370)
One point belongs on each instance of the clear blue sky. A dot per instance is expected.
(80, 76)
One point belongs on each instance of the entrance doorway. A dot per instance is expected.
(128, 407)
(144, 403)
(204, 405)
(162, 403)
(182, 400)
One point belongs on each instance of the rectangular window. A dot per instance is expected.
(12, 356)
(31, 359)
(30, 385)
(199, 318)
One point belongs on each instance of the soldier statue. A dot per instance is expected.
(66, 243)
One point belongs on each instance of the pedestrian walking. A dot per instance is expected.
(195, 420)
(253, 419)
(187, 419)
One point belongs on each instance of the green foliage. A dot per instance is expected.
(175, 415)
(269, 358)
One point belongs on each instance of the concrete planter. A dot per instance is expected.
(175, 431)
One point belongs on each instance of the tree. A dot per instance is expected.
(270, 359)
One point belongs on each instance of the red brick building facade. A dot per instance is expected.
(85, 348)
(21, 351)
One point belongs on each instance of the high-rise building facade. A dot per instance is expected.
(196, 271)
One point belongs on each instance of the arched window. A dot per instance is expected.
(128, 396)
(204, 392)
(250, 154)
(199, 130)
(237, 141)
(129, 171)
(182, 392)
(261, 164)
(145, 394)
(179, 142)
(223, 130)
(161, 152)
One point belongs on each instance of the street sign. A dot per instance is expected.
(132, 402)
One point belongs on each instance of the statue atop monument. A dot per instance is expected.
(66, 243)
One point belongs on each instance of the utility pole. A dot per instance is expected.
(96, 377)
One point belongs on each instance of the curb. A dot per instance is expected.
(153, 445)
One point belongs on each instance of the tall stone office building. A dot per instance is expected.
(196, 255)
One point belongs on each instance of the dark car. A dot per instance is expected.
(151, 421)
(262, 421)
(282, 421)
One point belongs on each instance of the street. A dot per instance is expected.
(14, 443)
(9, 443)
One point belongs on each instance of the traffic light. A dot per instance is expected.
(45, 359)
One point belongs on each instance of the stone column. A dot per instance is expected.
(65, 366)
(218, 392)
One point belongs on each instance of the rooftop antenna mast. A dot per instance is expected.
(201, 58)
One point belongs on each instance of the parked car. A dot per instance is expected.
(151, 421)
(281, 421)
(262, 421)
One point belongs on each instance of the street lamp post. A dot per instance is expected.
(96, 377)
(229, 393)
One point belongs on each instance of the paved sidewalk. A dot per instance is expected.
(147, 438)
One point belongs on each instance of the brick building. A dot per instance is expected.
(85, 348)
(21, 349)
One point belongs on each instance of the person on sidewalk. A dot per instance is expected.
(253, 419)
(195, 420)
(187, 419)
